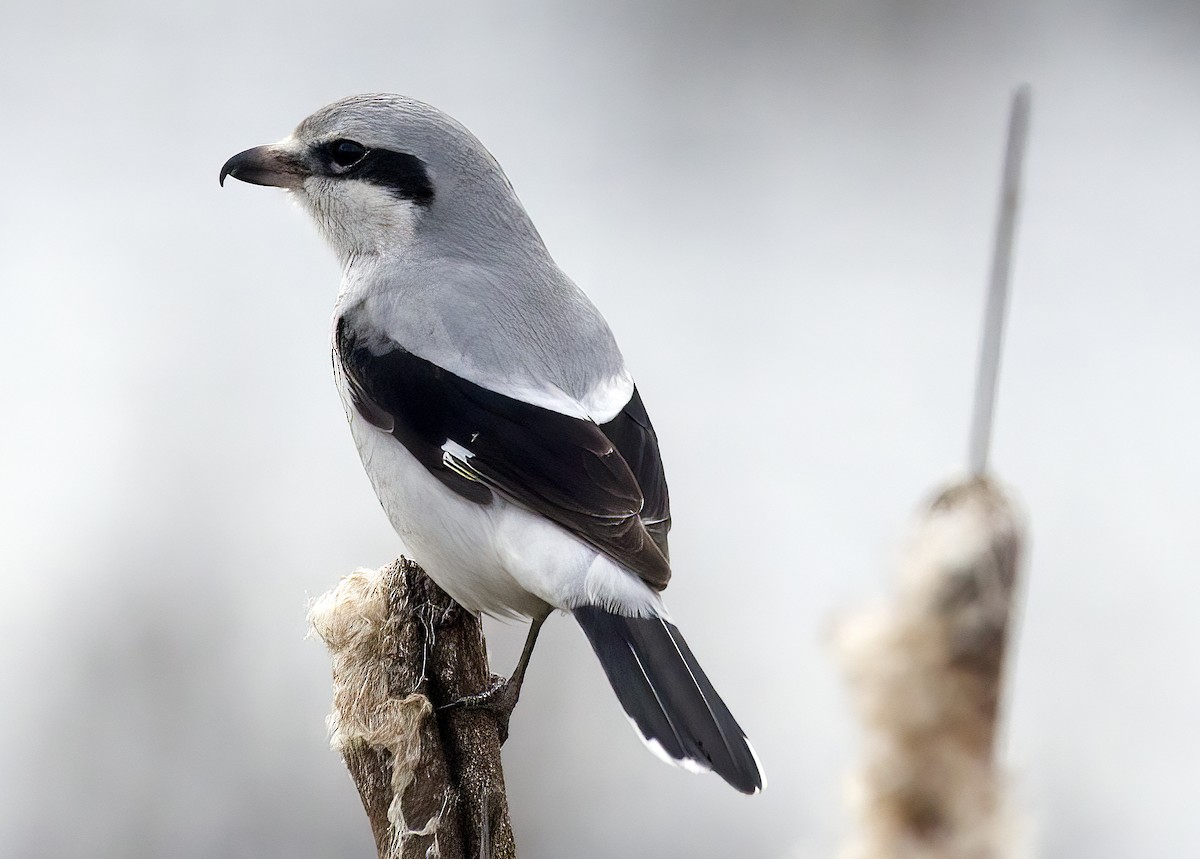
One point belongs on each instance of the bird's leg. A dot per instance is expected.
(518, 675)
(502, 696)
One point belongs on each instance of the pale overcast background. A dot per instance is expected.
(785, 211)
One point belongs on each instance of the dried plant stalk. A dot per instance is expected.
(430, 779)
(926, 673)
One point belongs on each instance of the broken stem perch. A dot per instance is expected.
(429, 777)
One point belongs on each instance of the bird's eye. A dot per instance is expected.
(346, 153)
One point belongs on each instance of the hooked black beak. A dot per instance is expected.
(267, 165)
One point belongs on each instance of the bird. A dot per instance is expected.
(493, 411)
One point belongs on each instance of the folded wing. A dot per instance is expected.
(597, 482)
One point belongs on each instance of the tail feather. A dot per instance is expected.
(668, 697)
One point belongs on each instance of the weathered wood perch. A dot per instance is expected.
(927, 676)
(429, 777)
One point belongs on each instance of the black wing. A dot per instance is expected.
(477, 441)
(633, 436)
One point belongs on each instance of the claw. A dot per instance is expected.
(499, 699)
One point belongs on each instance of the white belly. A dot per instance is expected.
(497, 558)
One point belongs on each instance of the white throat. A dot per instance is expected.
(359, 219)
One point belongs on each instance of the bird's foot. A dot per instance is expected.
(499, 699)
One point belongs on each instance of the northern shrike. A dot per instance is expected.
(492, 409)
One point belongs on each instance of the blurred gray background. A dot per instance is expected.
(785, 211)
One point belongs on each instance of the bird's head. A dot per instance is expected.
(386, 174)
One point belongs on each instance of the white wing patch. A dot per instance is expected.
(453, 448)
(455, 457)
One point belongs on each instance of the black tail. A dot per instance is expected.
(665, 693)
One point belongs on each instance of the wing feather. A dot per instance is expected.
(477, 442)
